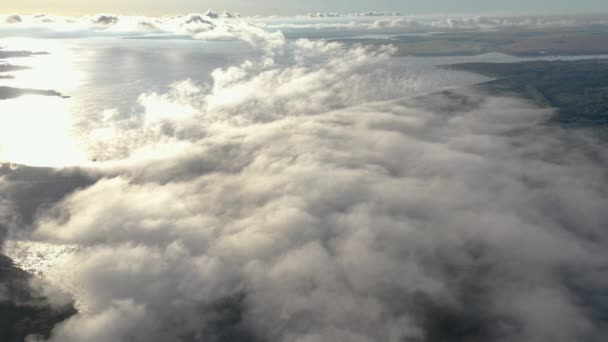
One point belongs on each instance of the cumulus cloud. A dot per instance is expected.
(105, 20)
(13, 19)
(203, 26)
(405, 219)
(43, 18)
(305, 78)
(199, 19)
(211, 27)
(212, 14)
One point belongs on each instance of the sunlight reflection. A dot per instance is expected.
(54, 70)
(49, 261)
(37, 131)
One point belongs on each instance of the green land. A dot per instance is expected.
(577, 89)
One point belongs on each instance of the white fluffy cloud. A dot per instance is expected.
(280, 204)
(306, 198)
(366, 224)
(13, 19)
(204, 26)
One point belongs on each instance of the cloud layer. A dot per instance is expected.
(216, 26)
(213, 25)
(411, 220)
(302, 197)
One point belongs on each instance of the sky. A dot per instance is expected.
(269, 7)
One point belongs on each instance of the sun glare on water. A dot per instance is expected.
(38, 130)
(51, 262)
(53, 68)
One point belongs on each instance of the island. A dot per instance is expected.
(7, 92)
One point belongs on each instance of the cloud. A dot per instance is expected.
(305, 78)
(320, 194)
(227, 14)
(212, 14)
(397, 23)
(357, 14)
(325, 15)
(404, 219)
(323, 193)
(482, 23)
(13, 19)
(198, 19)
(212, 25)
(105, 20)
(394, 23)
(147, 26)
(43, 18)
(376, 14)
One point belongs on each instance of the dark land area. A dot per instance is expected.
(22, 311)
(32, 188)
(21, 53)
(517, 42)
(577, 89)
(11, 93)
(9, 67)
